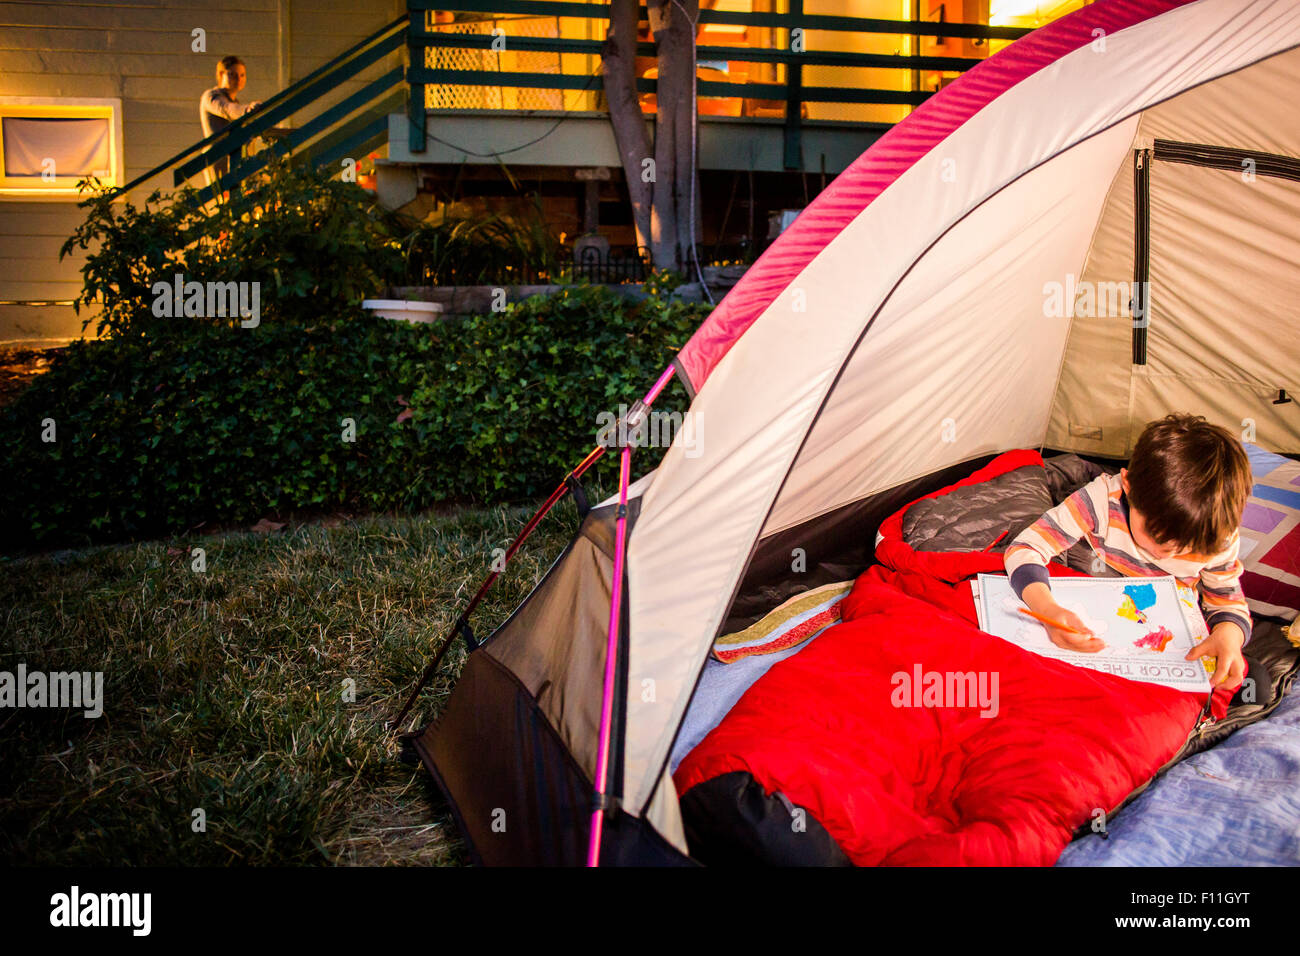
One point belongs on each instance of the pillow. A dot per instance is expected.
(1067, 473)
(799, 619)
(1270, 536)
(971, 517)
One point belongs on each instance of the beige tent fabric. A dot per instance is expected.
(635, 490)
(703, 515)
(1096, 363)
(977, 391)
(1224, 283)
(664, 813)
(555, 644)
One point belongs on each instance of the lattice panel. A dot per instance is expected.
(449, 96)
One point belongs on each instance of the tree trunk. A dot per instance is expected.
(677, 57)
(618, 60)
(662, 206)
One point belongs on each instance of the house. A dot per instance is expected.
(447, 98)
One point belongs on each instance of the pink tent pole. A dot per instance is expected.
(658, 386)
(611, 651)
(611, 642)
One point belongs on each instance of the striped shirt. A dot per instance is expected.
(1099, 513)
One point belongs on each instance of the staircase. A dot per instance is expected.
(322, 134)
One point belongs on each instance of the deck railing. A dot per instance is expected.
(493, 30)
(532, 32)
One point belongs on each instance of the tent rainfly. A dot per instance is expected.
(1092, 228)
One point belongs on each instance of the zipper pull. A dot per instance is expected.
(1207, 718)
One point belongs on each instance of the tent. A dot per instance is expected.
(1096, 226)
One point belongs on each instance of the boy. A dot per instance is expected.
(1175, 510)
(220, 105)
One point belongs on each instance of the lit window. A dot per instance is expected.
(47, 146)
(1030, 13)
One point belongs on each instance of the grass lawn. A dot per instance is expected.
(223, 690)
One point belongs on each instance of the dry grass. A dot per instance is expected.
(224, 690)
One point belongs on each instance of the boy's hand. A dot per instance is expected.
(1039, 598)
(1224, 643)
(1087, 642)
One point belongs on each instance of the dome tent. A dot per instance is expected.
(1094, 227)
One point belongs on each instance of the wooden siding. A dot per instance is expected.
(140, 52)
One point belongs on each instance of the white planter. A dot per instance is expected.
(404, 310)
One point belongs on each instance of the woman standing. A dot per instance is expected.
(219, 106)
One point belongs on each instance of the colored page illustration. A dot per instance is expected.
(1148, 626)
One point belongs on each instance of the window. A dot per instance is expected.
(47, 146)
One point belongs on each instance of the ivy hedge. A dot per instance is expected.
(130, 437)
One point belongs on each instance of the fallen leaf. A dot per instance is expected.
(266, 525)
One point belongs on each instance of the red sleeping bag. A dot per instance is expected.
(899, 777)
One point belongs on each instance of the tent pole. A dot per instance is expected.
(665, 377)
(611, 652)
(599, 802)
(533, 522)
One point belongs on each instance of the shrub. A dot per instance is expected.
(451, 248)
(303, 237)
(517, 400)
(208, 424)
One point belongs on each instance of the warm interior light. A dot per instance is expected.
(84, 136)
(721, 30)
(1009, 9)
(1029, 12)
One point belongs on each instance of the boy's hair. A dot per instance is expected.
(226, 64)
(1190, 480)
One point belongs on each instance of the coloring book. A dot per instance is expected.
(1148, 625)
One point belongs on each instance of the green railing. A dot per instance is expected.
(323, 136)
(793, 93)
(359, 122)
